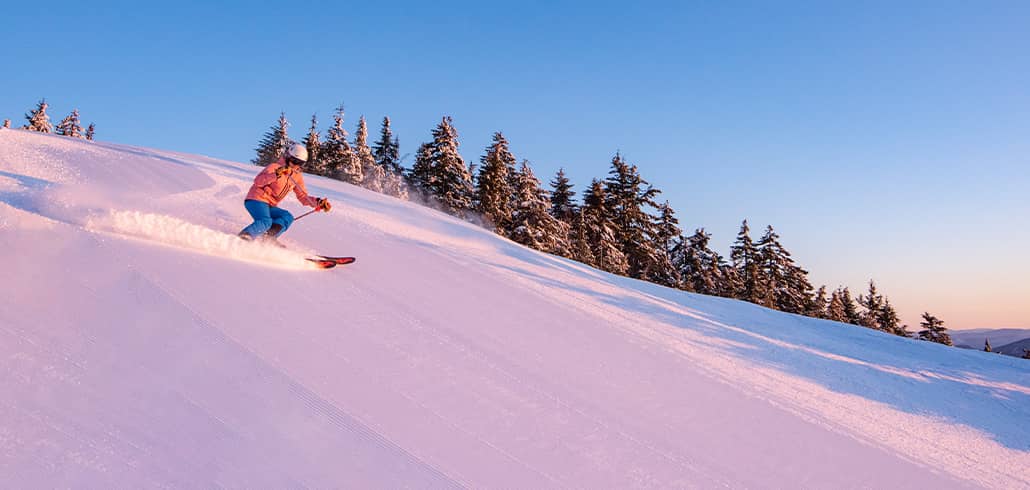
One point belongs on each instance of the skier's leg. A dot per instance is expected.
(281, 217)
(262, 217)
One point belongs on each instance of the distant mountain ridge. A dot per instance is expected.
(1008, 341)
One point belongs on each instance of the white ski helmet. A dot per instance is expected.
(297, 151)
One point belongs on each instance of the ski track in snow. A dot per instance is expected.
(447, 357)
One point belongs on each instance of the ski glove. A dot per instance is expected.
(323, 204)
(285, 170)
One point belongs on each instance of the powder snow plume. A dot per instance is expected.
(172, 231)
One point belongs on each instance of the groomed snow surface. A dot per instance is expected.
(142, 345)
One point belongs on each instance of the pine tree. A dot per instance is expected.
(699, 266)
(835, 309)
(7, 124)
(531, 223)
(70, 126)
(600, 230)
(274, 143)
(629, 200)
(579, 241)
(38, 119)
(888, 321)
(563, 206)
(420, 177)
(665, 232)
(934, 330)
(373, 175)
(873, 303)
(851, 313)
(746, 261)
(495, 195)
(817, 307)
(90, 132)
(387, 149)
(789, 289)
(451, 182)
(337, 155)
(313, 143)
(987, 345)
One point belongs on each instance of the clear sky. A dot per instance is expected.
(887, 140)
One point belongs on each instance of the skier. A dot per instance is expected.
(270, 187)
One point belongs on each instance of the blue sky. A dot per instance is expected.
(887, 140)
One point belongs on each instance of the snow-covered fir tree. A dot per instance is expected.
(788, 286)
(888, 321)
(934, 330)
(451, 182)
(91, 132)
(7, 124)
(387, 149)
(746, 260)
(872, 301)
(579, 241)
(563, 205)
(835, 308)
(601, 230)
(336, 154)
(420, 176)
(531, 222)
(313, 143)
(987, 345)
(630, 198)
(665, 232)
(851, 313)
(699, 266)
(495, 195)
(274, 142)
(38, 120)
(373, 175)
(816, 308)
(70, 126)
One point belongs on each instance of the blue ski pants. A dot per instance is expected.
(264, 217)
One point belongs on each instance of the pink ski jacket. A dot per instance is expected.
(267, 188)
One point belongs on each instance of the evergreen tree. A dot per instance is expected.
(934, 330)
(601, 229)
(987, 345)
(38, 120)
(420, 177)
(817, 307)
(873, 304)
(699, 266)
(532, 224)
(746, 261)
(70, 126)
(665, 232)
(451, 182)
(90, 132)
(274, 143)
(563, 206)
(835, 309)
(1026, 353)
(629, 200)
(373, 175)
(313, 143)
(337, 155)
(851, 314)
(7, 124)
(495, 195)
(888, 321)
(788, 286)
(579, 241)
(387, 149)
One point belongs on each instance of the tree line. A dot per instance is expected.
(38, 120)
(619, 226)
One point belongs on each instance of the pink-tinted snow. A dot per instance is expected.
(142, 345)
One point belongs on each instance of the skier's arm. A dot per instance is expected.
(302, 192)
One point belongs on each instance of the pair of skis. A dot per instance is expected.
(324, 262)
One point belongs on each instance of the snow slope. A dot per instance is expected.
(141, 345)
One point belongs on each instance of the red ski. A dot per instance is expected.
(330, 262)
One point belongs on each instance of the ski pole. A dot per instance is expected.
(305, 214)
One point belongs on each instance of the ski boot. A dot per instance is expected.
(270, 236)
